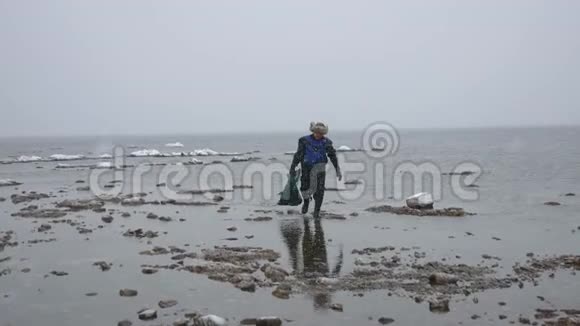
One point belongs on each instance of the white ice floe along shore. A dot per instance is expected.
(51, 158)
(197, 152)
(139, 153)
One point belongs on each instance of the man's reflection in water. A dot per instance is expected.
(312, 260)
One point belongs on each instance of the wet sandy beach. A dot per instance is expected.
(354, 267)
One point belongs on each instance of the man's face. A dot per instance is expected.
(318, 135)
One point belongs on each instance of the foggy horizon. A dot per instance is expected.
(153, 68)
(294, 132)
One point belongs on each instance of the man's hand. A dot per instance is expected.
(292, 172)
(339, 175)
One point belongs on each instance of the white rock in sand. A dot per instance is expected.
(204, 152)
(146, 152)
(64, 157)
(32, 158)
(289, 153)
(344, 148)
(240, 159)
(104, 165)
(63, 166)
(420, 201)
(178, 154)
(176, 144)
(195, 161)
(105, 156)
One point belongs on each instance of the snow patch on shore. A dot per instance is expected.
(65, 157)
(176, 144)
(104, 165)
(345, 148)
(204, 152)
(25, 158)
(145, 153)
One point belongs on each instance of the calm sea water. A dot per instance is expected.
(522, 169)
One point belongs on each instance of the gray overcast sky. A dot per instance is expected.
(120, 66)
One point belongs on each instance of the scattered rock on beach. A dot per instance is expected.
(181, 322)
(552, 203)
(337, 307)
(139, 233)
(570, 194)
(103, 265)
(443, 279)
(107, 219)
(282, 291)
(147, 314)
(247, 286)
(152, 216)
(164, 304)
(59, 273)
(128, 293)
(535, 267)
(403, 210)
(564, 321)
(155, 251)
(35, 212)
(268, 321)
(80, 204)
(276, 274)
(149, 271)
(386, 321)
(125, 323)
(259, 219)
(209, 320)
(17, 198)
(439, 306)
(44, 228)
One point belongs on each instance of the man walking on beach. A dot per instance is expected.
(313, 153)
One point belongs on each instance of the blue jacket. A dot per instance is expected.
(311, 151)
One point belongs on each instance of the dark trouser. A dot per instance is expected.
(312, 183)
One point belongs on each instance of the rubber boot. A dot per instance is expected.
(305, 206)
(317, 206)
